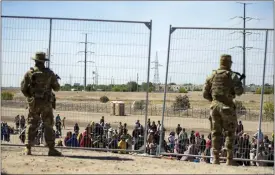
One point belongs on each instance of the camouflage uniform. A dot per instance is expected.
(220, 88)
(37, 86)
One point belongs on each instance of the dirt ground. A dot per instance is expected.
(90, 162)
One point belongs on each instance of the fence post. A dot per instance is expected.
(50, 43)
(262, 95)
(149, 25)
(165, 88)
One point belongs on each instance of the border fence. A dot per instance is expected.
(111, 58)
(192, 54)
(88, 54)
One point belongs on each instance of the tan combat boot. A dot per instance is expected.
(216, 159)
(27, 150)
(54, 152)
(229, 160)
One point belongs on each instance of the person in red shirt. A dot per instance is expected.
(86, 140)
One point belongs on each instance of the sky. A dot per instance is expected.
(121, 49)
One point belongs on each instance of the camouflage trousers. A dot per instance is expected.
(36, 113)
(224, 119)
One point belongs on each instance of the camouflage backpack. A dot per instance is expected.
(40, 83)
(222, 83)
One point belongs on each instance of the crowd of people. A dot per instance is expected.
(244, 148)
(102, 135)
(7, 130)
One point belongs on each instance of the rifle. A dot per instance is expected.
(242, 76)
(58, 77)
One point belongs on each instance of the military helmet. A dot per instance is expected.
(225, 61)
(40, 56)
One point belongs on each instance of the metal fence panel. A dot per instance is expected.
(117, 66)
(192, 55)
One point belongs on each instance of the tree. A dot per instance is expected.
(66, 87)
(89, 87)
(132, 86)
(144, 87)
(172, 84)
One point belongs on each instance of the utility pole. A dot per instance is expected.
(244, 38)
(85, 63)
(137, 82)
(85, 60)
(243, 47)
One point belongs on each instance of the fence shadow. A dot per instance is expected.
(111, 158)
(116, 158)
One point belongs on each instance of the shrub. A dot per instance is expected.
(267, 90)
(269, 110)
(7, 95)
(183, 90)
(197, 89)
(104, 99)
(182, 102)
(138, 105)
(116, 89)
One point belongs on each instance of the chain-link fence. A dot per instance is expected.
(104, 68)
(192, 55)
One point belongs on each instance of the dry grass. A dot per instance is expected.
(251, 101)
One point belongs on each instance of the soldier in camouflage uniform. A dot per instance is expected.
(220, 88)
(37, 86)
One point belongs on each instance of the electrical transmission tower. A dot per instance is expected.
(156, 80)
(70, 80)
(244, 33)
(85, 60)
(95, 78)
